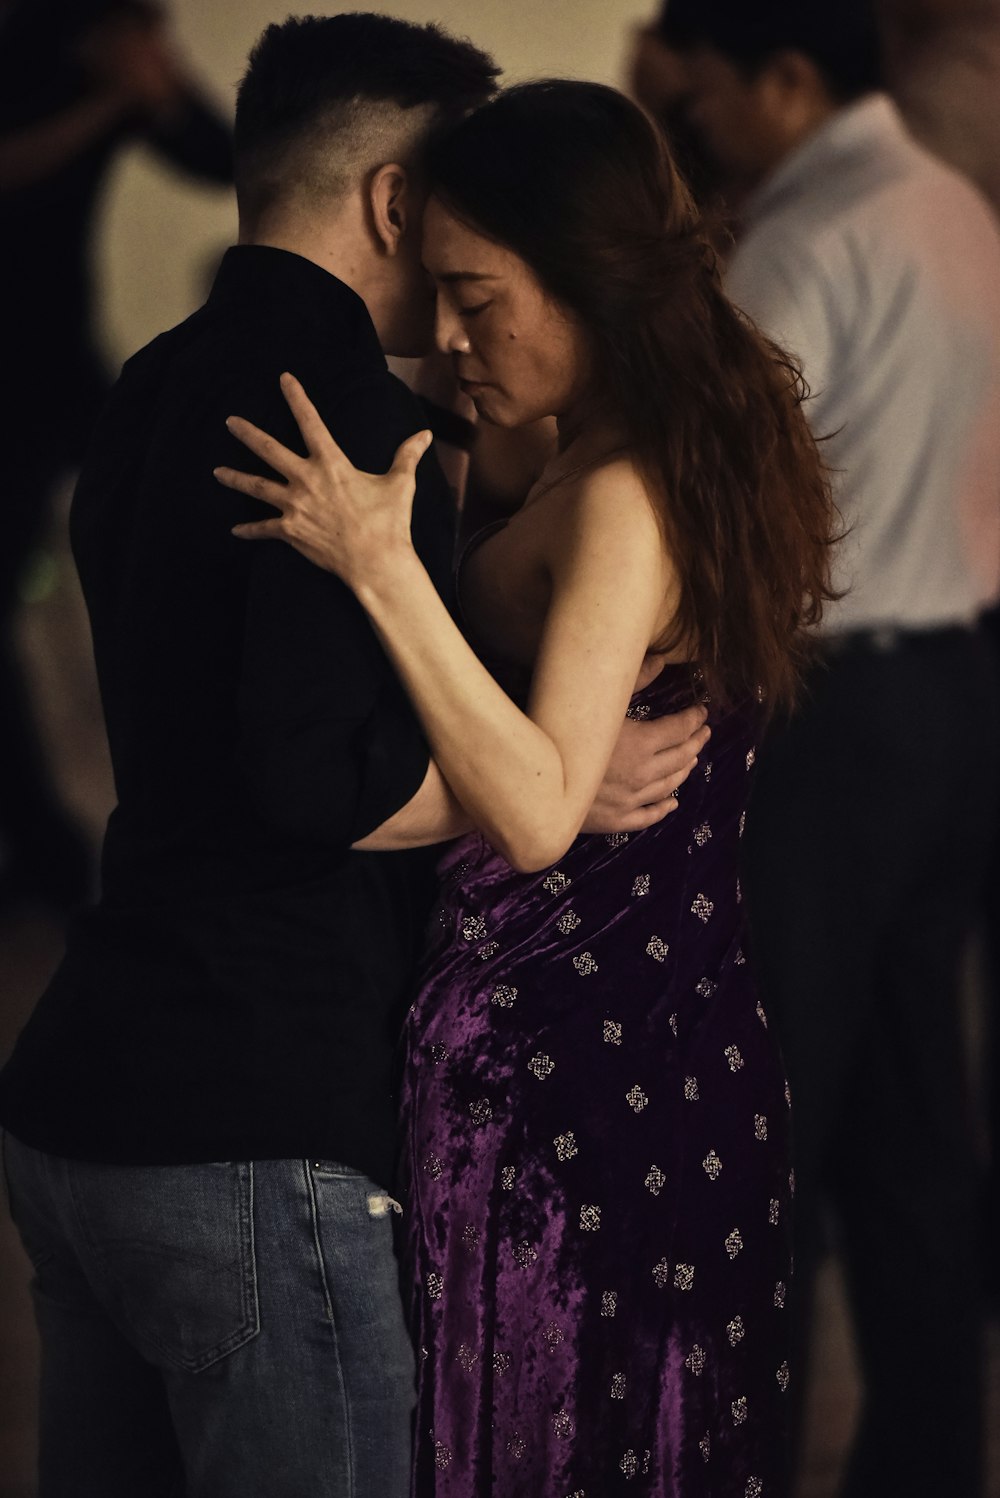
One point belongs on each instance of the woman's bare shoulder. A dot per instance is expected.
(618, 475)
(612, 499)
(613, 518)
(602, 531)
(599, 485)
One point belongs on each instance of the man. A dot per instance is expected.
(200, 1110)
(945, 64)
(879, 269)
(79, 82)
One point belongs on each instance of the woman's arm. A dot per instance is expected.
(651, 760)
(526, 779)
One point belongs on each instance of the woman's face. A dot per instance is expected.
(518, 354)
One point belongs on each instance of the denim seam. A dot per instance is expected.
(334, 1170)
(248, 1253)
(328, 1298)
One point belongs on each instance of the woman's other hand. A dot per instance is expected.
(650, 763)
(343, 520)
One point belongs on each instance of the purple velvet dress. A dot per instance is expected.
(596, 1165)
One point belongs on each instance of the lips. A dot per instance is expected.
(472, 387)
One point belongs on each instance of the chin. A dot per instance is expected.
(491, 411)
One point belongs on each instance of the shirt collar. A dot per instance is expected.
(262, 273)
(855, 129)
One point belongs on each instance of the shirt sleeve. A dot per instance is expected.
(330, 746)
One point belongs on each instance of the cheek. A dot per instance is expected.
(724, 122)
(501, 348)
(547, 383)
(534, 361)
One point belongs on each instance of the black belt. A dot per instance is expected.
(888, 639)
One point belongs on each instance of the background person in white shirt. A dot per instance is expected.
(879, 269)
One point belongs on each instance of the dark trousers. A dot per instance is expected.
(991, 941)
(866, 845)
(224, 1330)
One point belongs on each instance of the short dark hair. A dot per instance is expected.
(842, 39)
(309, 79)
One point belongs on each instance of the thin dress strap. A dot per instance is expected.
(472, 544)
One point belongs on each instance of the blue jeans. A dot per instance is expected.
(229, 1330)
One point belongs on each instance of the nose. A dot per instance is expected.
(449, 334)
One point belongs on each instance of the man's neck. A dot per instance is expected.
(812, 116)
(332, 252)
(339, 246)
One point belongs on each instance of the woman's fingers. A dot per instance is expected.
(671, 783)
(315, 432)
(260, 530)
(660, 787)
(409, 453)
(254, 484)
(647, 816)
(273, 452)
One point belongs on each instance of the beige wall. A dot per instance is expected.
(162, 235)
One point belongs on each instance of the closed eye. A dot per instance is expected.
(474, 311)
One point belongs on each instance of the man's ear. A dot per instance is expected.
(795, 75)
(388, 196)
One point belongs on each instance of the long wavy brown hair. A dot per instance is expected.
(578, 182)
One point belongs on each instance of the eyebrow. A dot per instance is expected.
(464, 275)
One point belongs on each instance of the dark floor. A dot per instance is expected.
(55, 640)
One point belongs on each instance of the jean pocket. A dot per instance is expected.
(174, 1252)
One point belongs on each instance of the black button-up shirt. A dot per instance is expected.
(238, 989)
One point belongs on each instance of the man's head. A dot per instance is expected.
(761, 77)
(333, 117)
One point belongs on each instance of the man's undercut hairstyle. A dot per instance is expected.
(841, 39)
(327, 99)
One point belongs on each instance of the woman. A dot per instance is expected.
(595, 1117)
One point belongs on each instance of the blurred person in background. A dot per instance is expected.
(658, 78)
(878, 267)
(943, 63)
(79, 80)
(944, 58)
